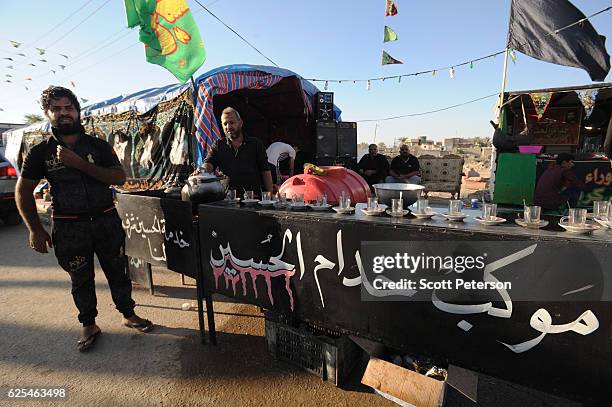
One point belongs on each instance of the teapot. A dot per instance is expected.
(204, 188)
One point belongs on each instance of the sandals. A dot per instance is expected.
(89, 342)
(144, 326)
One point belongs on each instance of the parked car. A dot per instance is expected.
(8, 180)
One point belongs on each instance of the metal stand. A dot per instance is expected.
(204, 294)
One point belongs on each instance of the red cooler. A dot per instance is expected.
(333, 182)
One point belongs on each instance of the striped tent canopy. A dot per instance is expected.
(237, 86)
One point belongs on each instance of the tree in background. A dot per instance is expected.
(382, 146)
(32, 118)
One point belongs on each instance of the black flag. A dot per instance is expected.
(579, 46)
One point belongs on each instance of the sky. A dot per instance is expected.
(321, 39)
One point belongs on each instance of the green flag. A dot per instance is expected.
(390, 35)
(388, 59)
(170, 35)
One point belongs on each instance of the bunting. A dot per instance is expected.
(15, 44)
(390, 8)
(540, 102)
(389, 34)
(587, 98)
(389, 60)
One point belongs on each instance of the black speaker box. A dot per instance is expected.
(347, 139)
(326, 139)
(325, 106)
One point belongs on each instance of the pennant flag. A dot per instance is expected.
(540, 102)
(451, 73)
(26, 88)
(28, 79)
(15, 43)
(62, 66)
(1, 109)
(73, 85)
(579, 46)
(8, 58)
(513, 56)
(10, 67)
(53, 71)
(390, 8)
(9, 75)
(390, 35)
(21, 54)
(42, 60)
(65, 56)
(41, 51)
(389, 60)
(30, 64)
(83, 100)
(8, 81)
(587, 97)
(170, 35)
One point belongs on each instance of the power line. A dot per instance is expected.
(429, 112)
(469, 62)
(78, 24)
(234, 31)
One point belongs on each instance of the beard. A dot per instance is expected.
(235, 134)
(67, 127)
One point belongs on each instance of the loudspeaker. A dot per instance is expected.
(325, 106)
(326, 139)
(347, 139)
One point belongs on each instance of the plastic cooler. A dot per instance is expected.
(333, 182)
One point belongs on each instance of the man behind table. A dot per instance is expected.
(373, 166)
(558, 186)
(404, 168)
(80, 170)
(242, 158)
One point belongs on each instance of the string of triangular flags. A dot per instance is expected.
(389, 34)
(587, 97)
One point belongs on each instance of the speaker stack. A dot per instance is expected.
(325, 107)
(336, 141)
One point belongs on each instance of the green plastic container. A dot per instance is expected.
(515, 179)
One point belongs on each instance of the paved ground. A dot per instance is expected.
(168, 367)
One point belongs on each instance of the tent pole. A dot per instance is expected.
(500, 104)
(503, 87)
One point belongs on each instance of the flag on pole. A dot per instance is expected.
(389, 60)
(390, 35)
(579, 46)
(390, 8)
(540, 102)
(170, 35)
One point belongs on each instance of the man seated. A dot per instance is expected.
(280, 154)
(404, 168)
(558, 185)
(373, 167)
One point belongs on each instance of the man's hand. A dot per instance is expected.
(39, 239)
(69, 157)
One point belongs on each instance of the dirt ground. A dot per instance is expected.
(167, 367)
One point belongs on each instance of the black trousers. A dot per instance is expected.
(75, 243)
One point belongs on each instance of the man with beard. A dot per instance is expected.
(373, 166)
(404, 168)
(242, 158)
(80, 170)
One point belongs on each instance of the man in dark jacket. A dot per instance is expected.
(373, 167)
(80, 170)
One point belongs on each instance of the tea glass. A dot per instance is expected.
(422, 206)
(345, 201)
(372, 202)
(600, 209)
(532, 214)
(266, 196)
(322, 200)
(489, 211)
(298, 199)
(577, 217)
(397, 205)
(248, 195)
(455, 206)
(231, 195)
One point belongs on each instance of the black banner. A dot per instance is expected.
(159, 231)
(311, 266)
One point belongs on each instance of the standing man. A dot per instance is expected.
(242, 158)
(80, 170)
(373, 167)
(404, 168)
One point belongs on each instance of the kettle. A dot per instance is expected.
(204, 188)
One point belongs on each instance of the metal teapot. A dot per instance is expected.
(204, 188)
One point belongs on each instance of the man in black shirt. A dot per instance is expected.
(373, 166)
(242, 158)
(80, 169)
(404, 168)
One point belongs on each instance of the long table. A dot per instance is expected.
(309, 266)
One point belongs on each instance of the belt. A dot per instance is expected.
(83, 216)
